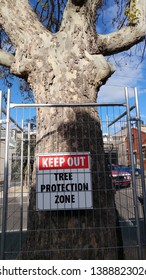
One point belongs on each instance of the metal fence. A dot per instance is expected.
(105, 218)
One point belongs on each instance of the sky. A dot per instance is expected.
(130, 66)
(130, 72)
(131, 75)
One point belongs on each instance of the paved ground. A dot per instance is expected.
(15, 208)
(126, 209)
(124, 203)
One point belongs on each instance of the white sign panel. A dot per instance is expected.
(63, 181)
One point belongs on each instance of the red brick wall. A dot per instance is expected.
(136, 145)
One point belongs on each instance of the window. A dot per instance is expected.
(144, 152)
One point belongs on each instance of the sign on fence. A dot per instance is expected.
(63, 181)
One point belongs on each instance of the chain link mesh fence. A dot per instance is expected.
(110, 229)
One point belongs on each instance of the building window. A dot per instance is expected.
(144, 152)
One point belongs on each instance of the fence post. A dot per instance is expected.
(141, 155)
(28, 160)
(133, 175)
(0, 118)
(21, 186)
(6, 181)
(0, 110)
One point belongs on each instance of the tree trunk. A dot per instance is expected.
(73, 234)
(63, 68)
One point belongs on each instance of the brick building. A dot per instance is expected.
(136, 152)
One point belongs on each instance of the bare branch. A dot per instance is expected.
(124, 38)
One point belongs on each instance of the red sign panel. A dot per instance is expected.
(50, 162)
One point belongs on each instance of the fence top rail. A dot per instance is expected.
(35, 105)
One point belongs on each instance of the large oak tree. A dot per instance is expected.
(69, 66)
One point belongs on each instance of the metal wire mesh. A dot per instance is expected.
(106, 231)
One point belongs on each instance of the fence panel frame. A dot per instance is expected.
(6, 183)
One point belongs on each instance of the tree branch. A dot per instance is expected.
(81, 13)
(20, 22)
(121, 40)
(26, 33)
(6, 59)
(124, 38)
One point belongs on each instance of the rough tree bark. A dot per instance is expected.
(68, 67)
